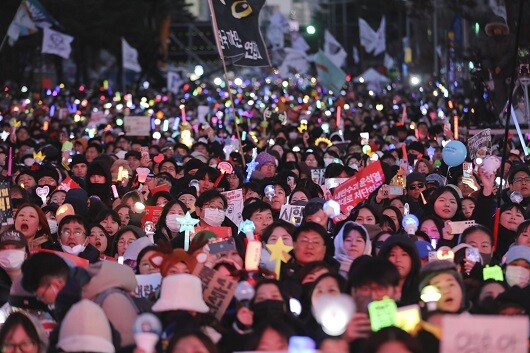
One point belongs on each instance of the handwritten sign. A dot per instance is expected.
(317, 175)
(359, 187)
(484, 334)
(147, 284)
(6, 212)
(292, 214)
(480, 144)
(235, 205)
(137, 125)
(218, 290)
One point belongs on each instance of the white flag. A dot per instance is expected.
(298, 42)
(355, 55)
(57, 43)
(380, 45)
(368, 37)
(389, 62)
(295, 61)
(276, 31)
(174, 81)
(334, 50)
(498, 7)
(22, 25)
(130, 57)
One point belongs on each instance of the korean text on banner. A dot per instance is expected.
(480, 144)
(218, 290)
(147, 284)
(484, 334)
(359, 187)
(235, 205)
(292, 214)
(137, 125)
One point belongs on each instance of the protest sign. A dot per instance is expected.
(218, 290)
(147, 284)
(484, 334)
(317, 175)
(220, 232)
(69, 258)
(6, 212)
(480, 144)
(235, 205)
(152, 213)
(359, 187)
(137, 125)
(292, 214)
(202, 111)
(331, 183)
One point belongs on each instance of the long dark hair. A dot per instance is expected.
(19, 319)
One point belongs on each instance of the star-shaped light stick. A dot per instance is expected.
(251, 166)
(4, 135)
(187, 224)
(279, 253)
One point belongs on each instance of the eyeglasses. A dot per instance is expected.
(24, 346)
(521, 180)
(307, 242)
(76, 233)
(416, 186)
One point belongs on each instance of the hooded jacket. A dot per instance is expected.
(119, 309)
(341, 256)
(103, 191)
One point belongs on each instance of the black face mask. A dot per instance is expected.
(268, 309)
(486, 258)
(103, 191)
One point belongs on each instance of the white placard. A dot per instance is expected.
(137, 125)
(235, 205)
(292, 214)
(147, 284)
(484, 334)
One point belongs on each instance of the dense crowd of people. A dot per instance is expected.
(88, 209)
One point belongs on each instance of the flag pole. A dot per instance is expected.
(221, 54)
(6, 35)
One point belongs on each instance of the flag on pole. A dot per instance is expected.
(380, 44)
(238, 34)
(129, 57)
(329, 75)
(40, 15)
(367, 36)
(295, 61)
(57, 43)
(498, 7)
(298, 42)
(334, 49)
(278, 27)
(371, 40)
(22, 25)
(355, 54)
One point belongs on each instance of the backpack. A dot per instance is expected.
(141, 305)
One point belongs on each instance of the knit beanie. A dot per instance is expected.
(517, 252)
(264, 158)
(85, 328)
(434, 268)
(78, 159)
(415, 177)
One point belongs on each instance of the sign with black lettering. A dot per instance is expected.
(292, 214)
(484, 334)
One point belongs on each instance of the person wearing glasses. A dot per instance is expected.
(72, 238)
(21, 333)
(518, 180)
(415, 186)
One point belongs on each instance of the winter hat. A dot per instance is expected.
(133, 153)
(13, 237)
(424, 248)
(415, 177)
(417, 146)
(496, 21)
(435, 178)
(188, 191)
(181, 292)
(517, 252)
(47, 171)
(191, 164)
(78, 199)
(201, 157)
(434, 268)
(77, 334)
(264, 158)
(131, 253)
(78, 159)
(166, 261)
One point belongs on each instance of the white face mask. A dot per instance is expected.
(328, 161)
(172, 223)
(12, 259)
(214, 217)
(52, 223)
(75, 250)
(517, 276)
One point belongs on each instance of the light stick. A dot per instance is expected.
(187, 225)
(279, 253)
